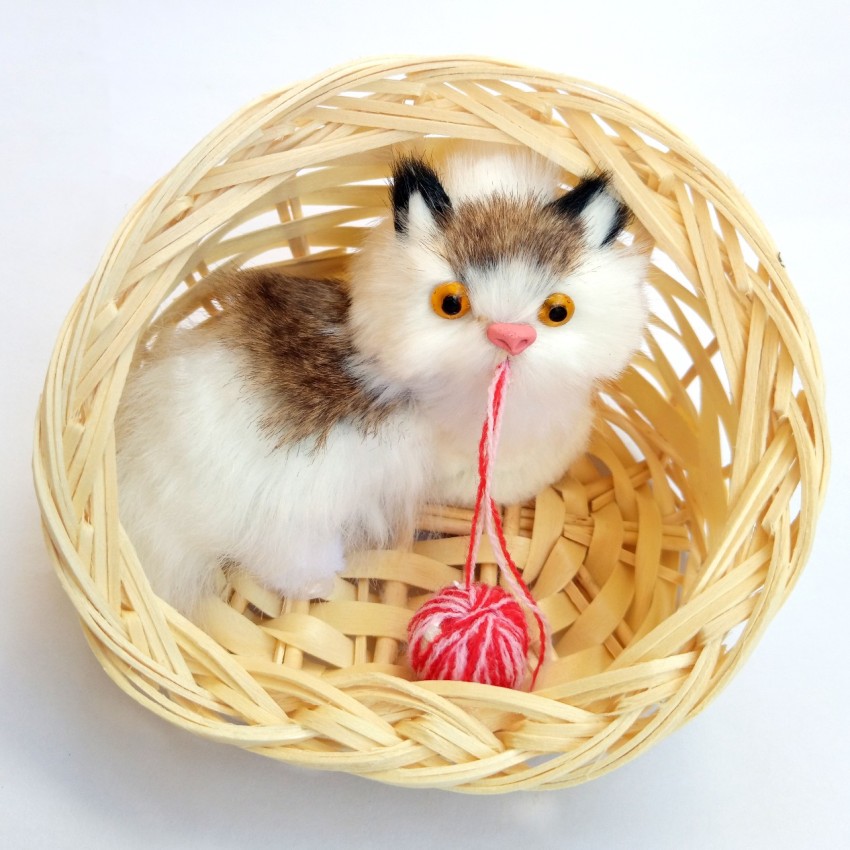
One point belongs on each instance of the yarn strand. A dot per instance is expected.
(487, 444)
(486, 512)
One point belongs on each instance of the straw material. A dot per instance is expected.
(659, 559)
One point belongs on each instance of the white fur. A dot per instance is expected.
(468, 174)
(199, 482)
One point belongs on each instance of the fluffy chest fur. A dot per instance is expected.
(543, 430)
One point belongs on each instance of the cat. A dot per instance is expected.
(312, 418)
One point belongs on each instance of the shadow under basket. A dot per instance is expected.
(658, 560)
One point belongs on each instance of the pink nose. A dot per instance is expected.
(514, 338)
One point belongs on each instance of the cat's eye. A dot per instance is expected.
(450, 300)
(556, 310)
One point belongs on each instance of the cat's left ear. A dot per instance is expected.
(420, 202)
(593, 203)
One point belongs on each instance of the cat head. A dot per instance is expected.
(486, 259)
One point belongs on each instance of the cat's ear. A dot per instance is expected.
(593, 203)
(420, 202)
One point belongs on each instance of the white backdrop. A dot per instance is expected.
(99, 98)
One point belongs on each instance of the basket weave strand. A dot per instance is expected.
(658, 560)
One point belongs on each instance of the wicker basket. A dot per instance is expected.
(659, 560)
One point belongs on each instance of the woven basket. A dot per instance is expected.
(659, 559)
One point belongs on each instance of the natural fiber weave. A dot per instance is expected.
(659, 560)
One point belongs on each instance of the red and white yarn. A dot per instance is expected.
(474, 632)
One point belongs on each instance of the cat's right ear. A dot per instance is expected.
(420, 202)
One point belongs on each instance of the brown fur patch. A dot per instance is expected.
(482, 233)
(295, 337)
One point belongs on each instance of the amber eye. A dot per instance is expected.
(450, 300)
(557, 310)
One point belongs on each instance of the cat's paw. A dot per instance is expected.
(320, 589)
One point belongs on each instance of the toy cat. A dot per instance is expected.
(311, 418)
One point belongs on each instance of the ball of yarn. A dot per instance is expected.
(474, 633)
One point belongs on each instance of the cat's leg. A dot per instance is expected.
(300, 565)
(180, 572)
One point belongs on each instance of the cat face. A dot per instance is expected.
(484, 262)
